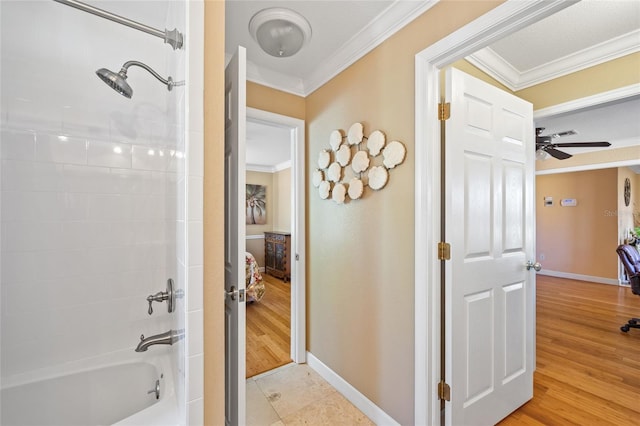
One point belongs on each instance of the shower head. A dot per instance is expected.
(118, 81)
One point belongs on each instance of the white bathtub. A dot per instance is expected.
(113, 394)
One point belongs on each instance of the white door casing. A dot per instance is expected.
(489, 218)
(234, 237)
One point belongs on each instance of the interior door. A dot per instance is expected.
(490, 293)
(234, 238)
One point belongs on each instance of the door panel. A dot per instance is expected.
(489, 325)
(234, 238)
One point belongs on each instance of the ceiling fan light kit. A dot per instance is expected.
(545, 145)
(280, 32)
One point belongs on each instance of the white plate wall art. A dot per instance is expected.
(378, 177)
(324, 158)
(356, 133)
(335, 139)
(324, 189)
(393, 154)
(318, 176)
(367, 163)
(338, 193)
(360, 162)
(334, 174)
(343, 155)
(375, 142)
(356, 188)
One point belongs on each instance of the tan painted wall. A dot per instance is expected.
(361, 255)
(213, 212)
(582, 239)
(635, 191)
(282, 200)
(598, 157)
(591, 81)
(273, 100)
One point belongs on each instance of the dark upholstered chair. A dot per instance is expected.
(631, 261)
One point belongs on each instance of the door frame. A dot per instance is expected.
(298, 229)
(505, 19)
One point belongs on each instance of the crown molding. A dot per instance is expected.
(494, 65)
(395, 17)
(282, 166)
(259, 168)
(589, 101)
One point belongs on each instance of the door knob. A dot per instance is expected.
(536, 266)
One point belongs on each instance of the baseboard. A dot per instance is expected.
(262, 269)
(600, 280)
(354, 396)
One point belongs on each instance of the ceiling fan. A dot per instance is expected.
(544, 144)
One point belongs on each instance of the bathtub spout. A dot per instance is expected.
(168, 338)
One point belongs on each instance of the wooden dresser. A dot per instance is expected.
(277, 254)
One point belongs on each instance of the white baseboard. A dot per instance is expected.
(600, 280)
(354, 396)
(262, 269)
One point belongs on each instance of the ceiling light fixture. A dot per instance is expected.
(280, 32)
(541, 154)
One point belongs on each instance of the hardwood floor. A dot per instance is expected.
(588, 371)
(269, 328)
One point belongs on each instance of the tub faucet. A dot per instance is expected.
(167, 338)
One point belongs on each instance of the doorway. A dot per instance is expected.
(270, 320)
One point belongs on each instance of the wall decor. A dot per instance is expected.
(256, 202)
(370, 160)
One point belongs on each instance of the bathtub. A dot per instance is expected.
(118, 394)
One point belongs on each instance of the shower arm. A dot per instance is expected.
(168, 82)
(171, 37)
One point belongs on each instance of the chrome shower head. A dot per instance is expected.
(117, 81)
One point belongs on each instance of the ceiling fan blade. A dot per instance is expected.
(581, 144)
(558, 154)
(565, 133)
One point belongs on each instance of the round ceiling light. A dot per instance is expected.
(280, 32)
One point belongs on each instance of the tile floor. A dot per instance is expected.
(296, 395)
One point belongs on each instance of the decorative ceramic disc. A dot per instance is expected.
(375, 142)
(324, 158)
(356, 187)
(324, 189)
(343, 155)
(338, 193)
(393, 154)
(335, 140)
(318, 177)
(378, 177)
(334, 174)
(360, 162)
(355, 134)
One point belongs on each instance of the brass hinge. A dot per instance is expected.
(444, 391)
(444, 251)
(444, 111)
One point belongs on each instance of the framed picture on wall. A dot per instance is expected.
(256, 201)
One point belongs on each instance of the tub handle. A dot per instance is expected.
(169, 296)
(156, 390)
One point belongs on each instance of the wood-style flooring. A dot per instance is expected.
(588, 371)
(269, 328)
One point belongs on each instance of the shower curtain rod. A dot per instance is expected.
(173, 37)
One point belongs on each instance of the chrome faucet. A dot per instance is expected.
(167, 338)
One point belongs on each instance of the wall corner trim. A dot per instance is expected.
(364, 404)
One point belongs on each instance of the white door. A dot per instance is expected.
(490, 294)
(234, 237)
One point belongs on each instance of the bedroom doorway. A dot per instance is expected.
(275, 326)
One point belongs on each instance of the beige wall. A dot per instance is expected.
(582, 239)
(361, 255)
(635, 193)
(273, 100)
(213, 212)
(282, 200)
(592, 158)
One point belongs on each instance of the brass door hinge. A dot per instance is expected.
(444, 111)
(444, 391)
(444, 251)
